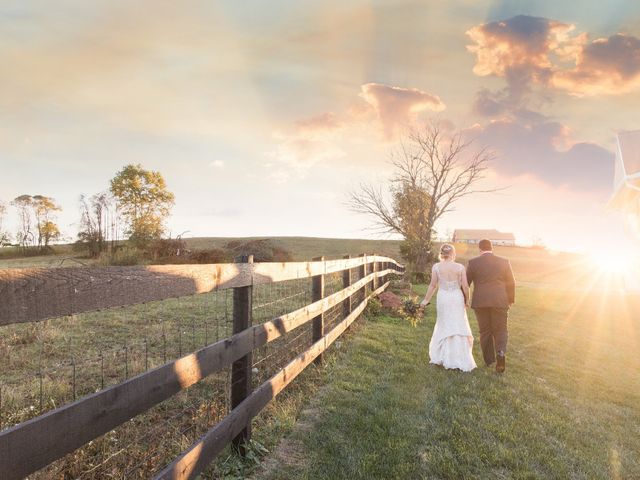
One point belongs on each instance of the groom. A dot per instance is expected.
(493, 294)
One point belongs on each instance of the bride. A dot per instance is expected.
(452, 340)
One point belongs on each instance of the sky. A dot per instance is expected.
(263, 116)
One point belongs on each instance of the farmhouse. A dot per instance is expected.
(474, 236)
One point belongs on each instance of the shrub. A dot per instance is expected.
(400, 286)
(263, 250)
(209, 255)
(123, 257)
(165, 248)
(374, 307)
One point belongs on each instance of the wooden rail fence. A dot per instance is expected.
(35, 294)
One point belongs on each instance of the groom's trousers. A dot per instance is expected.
(492, 323)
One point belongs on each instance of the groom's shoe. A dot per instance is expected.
(501, 361)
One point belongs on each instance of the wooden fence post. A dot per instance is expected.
(241, 369)
(346, 282)
(374, 268)
(363, 272)
(317, 293)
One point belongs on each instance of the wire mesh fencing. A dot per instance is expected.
(52, 363)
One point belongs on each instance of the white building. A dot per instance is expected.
(626, 196)
(474, 236)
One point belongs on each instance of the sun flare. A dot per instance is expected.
(621, 261)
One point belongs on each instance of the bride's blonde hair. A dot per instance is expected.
(447, 251)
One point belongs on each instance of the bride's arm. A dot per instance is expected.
(465, 286)
(432, 287)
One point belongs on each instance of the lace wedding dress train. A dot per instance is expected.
(452, 341)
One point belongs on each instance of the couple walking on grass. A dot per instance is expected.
(493, 293)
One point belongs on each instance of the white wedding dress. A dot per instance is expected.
(452, 341)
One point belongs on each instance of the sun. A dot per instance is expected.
(620, 261)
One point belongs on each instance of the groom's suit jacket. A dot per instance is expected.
(492, 276)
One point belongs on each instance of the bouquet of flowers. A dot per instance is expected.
(412, 310)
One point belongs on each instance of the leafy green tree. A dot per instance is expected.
(144, 201)
(411, 206)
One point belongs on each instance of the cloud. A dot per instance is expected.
(606, 66)
(397, 107)
(296, 154)
(327, 137)
(545, 149)
(521, 41)
(318, 125)
(519, 50)
(529, 51)
(117, 65)
(218, 164)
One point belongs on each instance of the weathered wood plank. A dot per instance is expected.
(241, 368)
(317, 294)
(35, 294)
(32, 445)
(192, 462)
(346, 282)
(28, 295)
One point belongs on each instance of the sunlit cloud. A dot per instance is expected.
(397, 107)
(605, 66)
(323, 123)
(520, 42)
(378, 114)
(529, 51)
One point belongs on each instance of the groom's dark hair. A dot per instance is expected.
(485, 245)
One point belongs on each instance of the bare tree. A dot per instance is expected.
(24, 205)
(5, 238)
(433, 171)
(95, 215)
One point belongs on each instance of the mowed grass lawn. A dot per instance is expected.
(567, 407)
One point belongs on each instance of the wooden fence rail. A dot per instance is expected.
(32, 294)
(32, 445)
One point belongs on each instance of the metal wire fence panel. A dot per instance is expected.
(271, 301)
(274, 299)
(139, 447)
(48, 364)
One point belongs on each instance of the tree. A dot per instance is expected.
(44, 209)
(24, 235)
(144, 201)
(95, 213)
(40, 210)
(432, 172)
(48, 231)
(5, 238)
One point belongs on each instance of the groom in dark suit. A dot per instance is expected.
(494, 292)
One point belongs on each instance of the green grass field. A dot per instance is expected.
(301, 248)
(567, 407)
